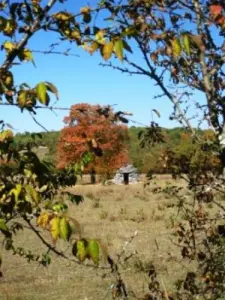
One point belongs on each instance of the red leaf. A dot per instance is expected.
(216, 10)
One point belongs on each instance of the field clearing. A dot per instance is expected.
(112, 214)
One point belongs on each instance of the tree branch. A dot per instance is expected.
(13, 54)
(54, 250)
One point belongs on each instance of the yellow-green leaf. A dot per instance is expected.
(118, 49)
(55, 228)
(186, 44)
(6, 136)
(100, 37)
(22, 98)
(8, 80)
(65, 230)
(3, 227)
(80, 249)
(41, 90)
(9, 46)
(16, 192)
(28, 56)
(107, 50)
(32, 193)
(176, 47)
(93, 251)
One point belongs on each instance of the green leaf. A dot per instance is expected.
(127, 47)
(60, 207)
(118, 49)
(34, 135)
(65, 230)
(42, 95)
(77, 199)
(87, 157)
(93, 251)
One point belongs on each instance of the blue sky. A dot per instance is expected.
(83, 80)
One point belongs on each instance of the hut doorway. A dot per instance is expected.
(126, 178)
(93, 176)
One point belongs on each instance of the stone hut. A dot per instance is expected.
(125, 175)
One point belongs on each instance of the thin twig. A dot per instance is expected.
(38, 123)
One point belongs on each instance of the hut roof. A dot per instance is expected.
(127, 169)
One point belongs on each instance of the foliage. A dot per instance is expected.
(148, 158)
(86, 130)
(182, 44)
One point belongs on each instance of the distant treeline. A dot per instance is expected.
(145, 159)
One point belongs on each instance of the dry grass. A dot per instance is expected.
(113, 214)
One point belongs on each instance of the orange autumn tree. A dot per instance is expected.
(96, 125)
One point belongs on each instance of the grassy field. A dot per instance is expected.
(113, 214)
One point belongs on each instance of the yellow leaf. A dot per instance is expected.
(86, 14)
(85, 10)
(65, 230)
(55, 228)
(62, 16)
(75, 34)
(176, 47)
(107, 50)
(118, 49)
(93, 251)
(43, 220)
